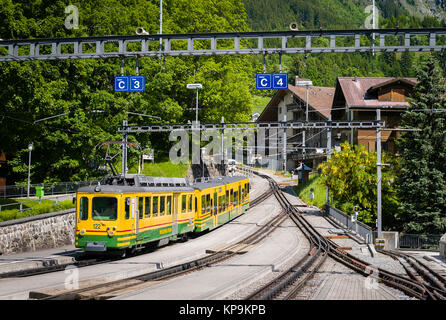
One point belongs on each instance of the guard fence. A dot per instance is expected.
(28, 204)
(20, 191)
(420, 241)
(361, 229)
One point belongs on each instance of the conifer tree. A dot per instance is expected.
(422, 183)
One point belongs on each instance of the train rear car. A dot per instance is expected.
(220, 200)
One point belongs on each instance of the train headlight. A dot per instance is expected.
(82, 232)
(111, 232)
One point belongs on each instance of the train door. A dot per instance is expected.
(134, 215)
(215, 208)
(175, 214)
(139, 217)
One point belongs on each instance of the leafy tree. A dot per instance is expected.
(81, 91)
(350, 175)
(422, 183)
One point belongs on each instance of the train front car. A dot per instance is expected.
(116, 218)
(98, 218)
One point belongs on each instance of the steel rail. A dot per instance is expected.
(405, 284)
(53, 268)
(296, 276)
(174, 271)
(89, 262)
(433, 281)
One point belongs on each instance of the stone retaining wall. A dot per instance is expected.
(44, 231)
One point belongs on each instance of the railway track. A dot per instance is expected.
(83, 262)
(289, 283)
(434, 282)
(53, 267)
(111, 289)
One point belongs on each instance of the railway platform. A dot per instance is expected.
(335, 281)
(37, 259)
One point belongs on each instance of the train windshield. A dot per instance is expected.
(105, 208)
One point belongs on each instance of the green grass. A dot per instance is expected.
(160, 168)
(303, 191)
(260, 103)
(36, 208)
(164, 169)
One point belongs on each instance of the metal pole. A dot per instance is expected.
(327, 193)
(137, 66)
(30, 148)
(280, 62)
(284, 145)
(161, 27)
(373, 22)
(351, 129)
(124, 148)
(223, 143)
(306, 113)
(196, 108)
(378, 174)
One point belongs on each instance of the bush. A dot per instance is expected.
(351, 178)
(45, 207)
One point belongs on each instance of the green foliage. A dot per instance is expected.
(422, 183)
(350, 175)
(36, 208)
(65, 147)
(323, 69)
(303, 191)
(278, 14)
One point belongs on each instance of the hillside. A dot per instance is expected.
(323, 69)
(334, 14)
(420, 8)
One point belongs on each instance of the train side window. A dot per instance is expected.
(141, 207)
(208, 203)
(239, 195)
(232, 197)
(147, 207)
(203, 204)
(83, 208)
(183, 203)
(169, 205)
(155, 206)
(162, 205)
(127, 208)
(235, 198)
(215, 202)
(220, 204)
(196, 204)
(190, 204)
(226, 199)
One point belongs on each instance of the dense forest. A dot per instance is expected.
(65, 147)
(323, 69)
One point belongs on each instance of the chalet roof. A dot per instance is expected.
(392, 82)
(355, 91)
(319, 99)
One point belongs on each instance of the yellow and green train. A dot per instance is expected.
(136, 211)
